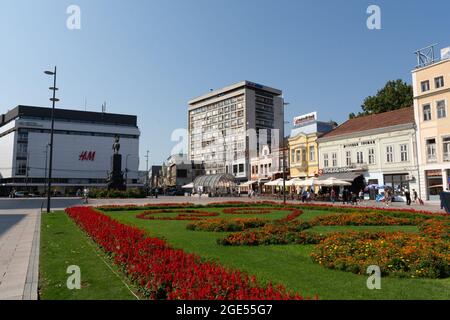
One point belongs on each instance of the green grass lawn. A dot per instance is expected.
(64, 244)
(290, 264)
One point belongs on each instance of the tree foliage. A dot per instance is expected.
(396, 94)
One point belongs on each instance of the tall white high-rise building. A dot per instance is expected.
(228, 126)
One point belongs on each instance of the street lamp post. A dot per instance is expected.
(284, 156)
(50, 166)
(46, 162)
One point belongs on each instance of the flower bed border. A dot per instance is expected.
(162, 272)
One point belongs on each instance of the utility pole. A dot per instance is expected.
(50, 166)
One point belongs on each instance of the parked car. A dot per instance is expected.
(20, 194)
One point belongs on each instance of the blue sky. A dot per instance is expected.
(150, 57)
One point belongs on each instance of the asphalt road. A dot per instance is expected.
(37, 203)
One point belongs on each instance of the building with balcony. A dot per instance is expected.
(228, 126)
(431, 85)
(374, 149)
(303, 147)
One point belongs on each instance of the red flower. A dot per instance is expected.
(162, 272)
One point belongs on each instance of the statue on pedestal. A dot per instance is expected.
(115, 179)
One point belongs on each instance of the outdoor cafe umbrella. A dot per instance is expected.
(277, 182)
(334, 182)
(293, 182)
(308, 182)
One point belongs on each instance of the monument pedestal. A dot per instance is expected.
(116, 180)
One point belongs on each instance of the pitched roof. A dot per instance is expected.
(373, 121)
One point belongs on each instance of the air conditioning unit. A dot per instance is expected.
(445, 53)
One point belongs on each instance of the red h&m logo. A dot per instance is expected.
(87, 156)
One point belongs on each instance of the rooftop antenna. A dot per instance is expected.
(104, 107)
(425, 56)
(85, 104)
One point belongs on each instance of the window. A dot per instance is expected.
(404, 152)
(446, 148)
(304, 155)
(441, 112)
(425, 85)
(241, 167)
(325, 160)
(359, 157)
(348, 158)
(297, 155)
(389, 154)
(21, 168)
(371, 156)
(426, 112)
(439, 82)
(334, 157)
(292, 155)
(312, 153)
(431, 149)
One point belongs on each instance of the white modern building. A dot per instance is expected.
(228, 126)
(380, 147)
(82, 148)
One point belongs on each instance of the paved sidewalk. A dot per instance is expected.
(19, 254)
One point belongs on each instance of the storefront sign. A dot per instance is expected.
(336, 170)
(305, 119)
(87, 156)
(434, 173)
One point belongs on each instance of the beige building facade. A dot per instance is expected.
(431, 85)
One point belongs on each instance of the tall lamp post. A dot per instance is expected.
(284, 156)
(50, 166)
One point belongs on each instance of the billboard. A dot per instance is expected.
(305, 119)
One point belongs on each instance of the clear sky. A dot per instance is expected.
(148, 57)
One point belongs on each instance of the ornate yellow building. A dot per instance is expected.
(303, 147)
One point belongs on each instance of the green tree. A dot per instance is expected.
(396, 94)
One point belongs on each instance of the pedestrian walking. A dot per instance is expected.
(408, 197)
(333, 196)
(415, 195)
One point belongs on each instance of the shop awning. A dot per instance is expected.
(248, 183)
(346, 176)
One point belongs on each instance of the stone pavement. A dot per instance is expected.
(19, 254)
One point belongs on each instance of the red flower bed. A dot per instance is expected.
(274, 233)
(162, 272)
(182, 214)
(226, 225)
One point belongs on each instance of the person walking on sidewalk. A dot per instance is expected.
(408, 197)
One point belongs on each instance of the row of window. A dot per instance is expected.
(239, 99)
(441, 110)
(438, 83)
(264, 169)
(361, 156)
(431, 149)
(299, 155)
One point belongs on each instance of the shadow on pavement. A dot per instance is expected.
(7, 221)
